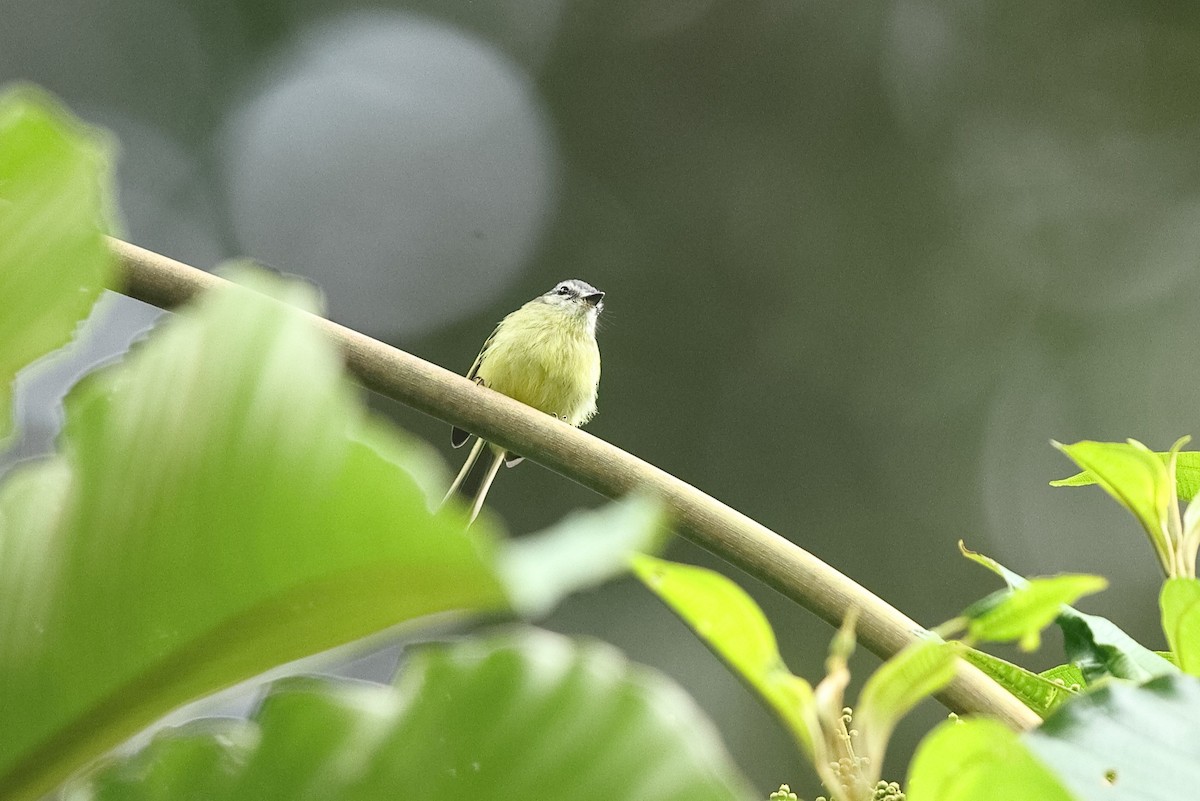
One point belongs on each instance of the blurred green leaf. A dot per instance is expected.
(1138, 479)
(55, 188)
(581, 551)
(1022, 613)
(917, 672)
(1180, 604)
(1170, 657)
(1040, 693)
(221, 508)
(1122, 741)
(1096, 645)
(193, 762)
(729, 621)
(531, 715)
(1187, 475)
(979, 760)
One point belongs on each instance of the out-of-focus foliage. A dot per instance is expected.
(222, 505)
(1125, 741)
(257, 517)
(979, 760)
(55, 188)
(528, 715)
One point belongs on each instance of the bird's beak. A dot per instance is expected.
(594, 298)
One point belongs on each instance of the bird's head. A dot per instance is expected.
(577, 297)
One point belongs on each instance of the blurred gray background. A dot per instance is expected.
(863, 260)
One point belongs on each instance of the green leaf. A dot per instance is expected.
(917, 672)
(1100, 649)
(1022, 613)
(198, 760)
(729, 621)
(1180, 603)
(582, 551)
(979, 760)
(1170, 657)
(526, 716)
(221, 508)
(1069, 676)
(1096, 645)
(1015, 581)
(1137, 478)
(1123, 741)
(55, 188)
(1187, 475)
(1040, 693)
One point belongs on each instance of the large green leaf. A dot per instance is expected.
(55, 184)
(729, 621)
(531, 715)
(1123, 741)
(979, 760)
(220, 508)
(1022, 613)
(1180, 603)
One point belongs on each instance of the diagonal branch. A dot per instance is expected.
(609, 471)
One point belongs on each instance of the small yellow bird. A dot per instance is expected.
(545, 355)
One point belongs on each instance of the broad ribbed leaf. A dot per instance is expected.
(979, 760)
(1180, 603)
(530, 715)
(729, 621)
(1070, 676)
(1040, 693)
(221, 508)
(55, 187)
(1122, 742)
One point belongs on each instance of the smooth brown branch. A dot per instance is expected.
(608, 470)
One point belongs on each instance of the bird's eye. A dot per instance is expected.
(564, 290)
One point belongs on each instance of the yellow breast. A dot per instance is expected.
(545, 359)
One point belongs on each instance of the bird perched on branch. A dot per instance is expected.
(545, 355)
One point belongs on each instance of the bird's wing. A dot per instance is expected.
(458, 437)
(487, 343)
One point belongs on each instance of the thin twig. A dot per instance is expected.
(608, 470)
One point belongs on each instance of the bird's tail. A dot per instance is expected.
(488, 478)
(472, 456)
(484, 485)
